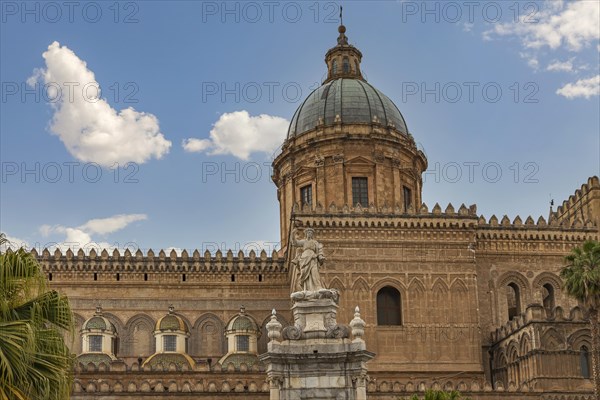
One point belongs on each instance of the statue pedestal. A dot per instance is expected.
(316, 358)
(315, 317)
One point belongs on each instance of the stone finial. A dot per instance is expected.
(99, 309)
(242, 309)
(357, 325)
(274, 327)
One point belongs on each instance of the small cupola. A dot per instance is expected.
(171, 335)
(343, 60)
(242, 333)
(99, 339)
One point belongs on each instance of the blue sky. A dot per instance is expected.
(212, 86)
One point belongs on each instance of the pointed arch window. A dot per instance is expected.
(513, 299)
(389, 306)
(548, 297)
(584, 361)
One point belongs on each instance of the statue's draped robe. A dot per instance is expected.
(308, 265)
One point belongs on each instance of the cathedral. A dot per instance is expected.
(450, 299)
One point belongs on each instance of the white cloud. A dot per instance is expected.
(582, 88)
(467, 27)
(573, 26)
(194, 145)
(91, 130)
(565, 66)
(81, 236)
(240, 134)
(46, 230)
(558, 26)
(532, 61)
(115, 223)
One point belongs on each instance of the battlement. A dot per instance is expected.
(517, 223)
(372, 210)
(537, 313)
(578, 206)
(161, 262)
(593, 183)
(553, 236)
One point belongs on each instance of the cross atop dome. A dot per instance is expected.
(342, 39)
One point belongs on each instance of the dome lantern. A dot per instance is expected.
(343, 60)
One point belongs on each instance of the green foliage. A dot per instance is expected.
(581, 275)
(581, 278)
(439, 395)
(35, 363)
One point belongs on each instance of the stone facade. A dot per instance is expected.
(451, 299)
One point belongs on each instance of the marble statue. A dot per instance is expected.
(307, 263)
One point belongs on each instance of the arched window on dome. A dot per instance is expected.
(389, 306)
(334, 67)
(584, 362)
(548, 297)
(346, 65)
(513, 300)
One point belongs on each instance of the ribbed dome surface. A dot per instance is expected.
(354, 100)
(171, 322)
(243, 323)
(98, 322)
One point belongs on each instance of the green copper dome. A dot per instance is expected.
(242, 323)
(98, 322)
(353, 100)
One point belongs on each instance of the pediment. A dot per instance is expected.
(360, 160)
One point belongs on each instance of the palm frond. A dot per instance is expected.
(35, 362)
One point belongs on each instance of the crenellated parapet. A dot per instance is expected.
(488, 231)
(384, 211)
(392, 219)
(581, 206)
(389, 226)
(523, 349)
(518, 235)
(537, 313)
(151, 262)
(518, 223)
